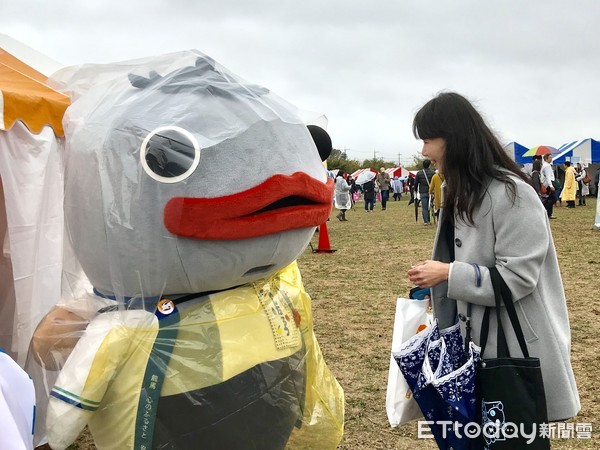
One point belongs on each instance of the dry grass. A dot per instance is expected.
(354, 292)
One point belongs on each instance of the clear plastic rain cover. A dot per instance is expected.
(189, 194)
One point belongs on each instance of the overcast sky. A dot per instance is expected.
(531, 67)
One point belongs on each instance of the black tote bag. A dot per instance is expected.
(510, 391)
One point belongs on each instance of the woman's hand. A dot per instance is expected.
(429, 273)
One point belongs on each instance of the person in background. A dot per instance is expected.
(422, 182)
(584, 189)
(528, 168)
(536, 177)
(342, 195)
(410, 183)
(492, 218)
(383, 182)
(435, 191)
(570, 188)
(398, 188)
(369, 195)
(354, 190)
(547, 179)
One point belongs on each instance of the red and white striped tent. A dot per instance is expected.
(359, 171)
(398, 172)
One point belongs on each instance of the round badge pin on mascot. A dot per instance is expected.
(189, 194)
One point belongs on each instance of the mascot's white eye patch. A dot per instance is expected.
(170, 154)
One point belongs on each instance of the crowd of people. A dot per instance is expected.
(545, 179)
(348, 191)
(425, 188)
(380, 189)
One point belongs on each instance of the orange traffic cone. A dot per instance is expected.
(323, 246)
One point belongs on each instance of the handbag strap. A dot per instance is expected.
(502, 294)
(426, 177)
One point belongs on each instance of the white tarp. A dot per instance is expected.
(17, 406)
(31, 219)
(32, 181)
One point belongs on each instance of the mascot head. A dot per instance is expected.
(182, 178)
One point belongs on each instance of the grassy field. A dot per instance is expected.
(354, 292)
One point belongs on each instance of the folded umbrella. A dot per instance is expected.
(441, 375)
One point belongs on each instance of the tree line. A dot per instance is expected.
(339, 160)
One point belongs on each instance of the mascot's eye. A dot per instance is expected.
(170, 154)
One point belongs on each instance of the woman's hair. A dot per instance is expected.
(537, 165)
(473, 154)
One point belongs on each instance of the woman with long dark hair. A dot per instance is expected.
(493, 217)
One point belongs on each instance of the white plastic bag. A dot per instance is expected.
(17, 405)
(412, 316)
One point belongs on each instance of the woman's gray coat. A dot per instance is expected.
(517, 239)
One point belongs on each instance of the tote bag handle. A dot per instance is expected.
(502, 294)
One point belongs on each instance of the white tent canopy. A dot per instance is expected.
(31, 195)
(29, 56)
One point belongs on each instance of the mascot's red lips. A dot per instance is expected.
(278, 204)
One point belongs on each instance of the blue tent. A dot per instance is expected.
(515, 151)
(585, 151)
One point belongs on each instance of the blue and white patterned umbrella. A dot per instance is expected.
(441, 376)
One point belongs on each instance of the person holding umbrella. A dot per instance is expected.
(369, 195)
(547, 179)
(492, 217)
(367, 181)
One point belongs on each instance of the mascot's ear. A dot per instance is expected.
(205, 63)
(322, 141)
(141, 82)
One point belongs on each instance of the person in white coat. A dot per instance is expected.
(492, 217)
(584, 188)
(342, 196)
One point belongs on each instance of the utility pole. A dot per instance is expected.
(375, 155)
(399, 157)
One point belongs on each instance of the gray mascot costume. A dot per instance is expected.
(189, 195)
